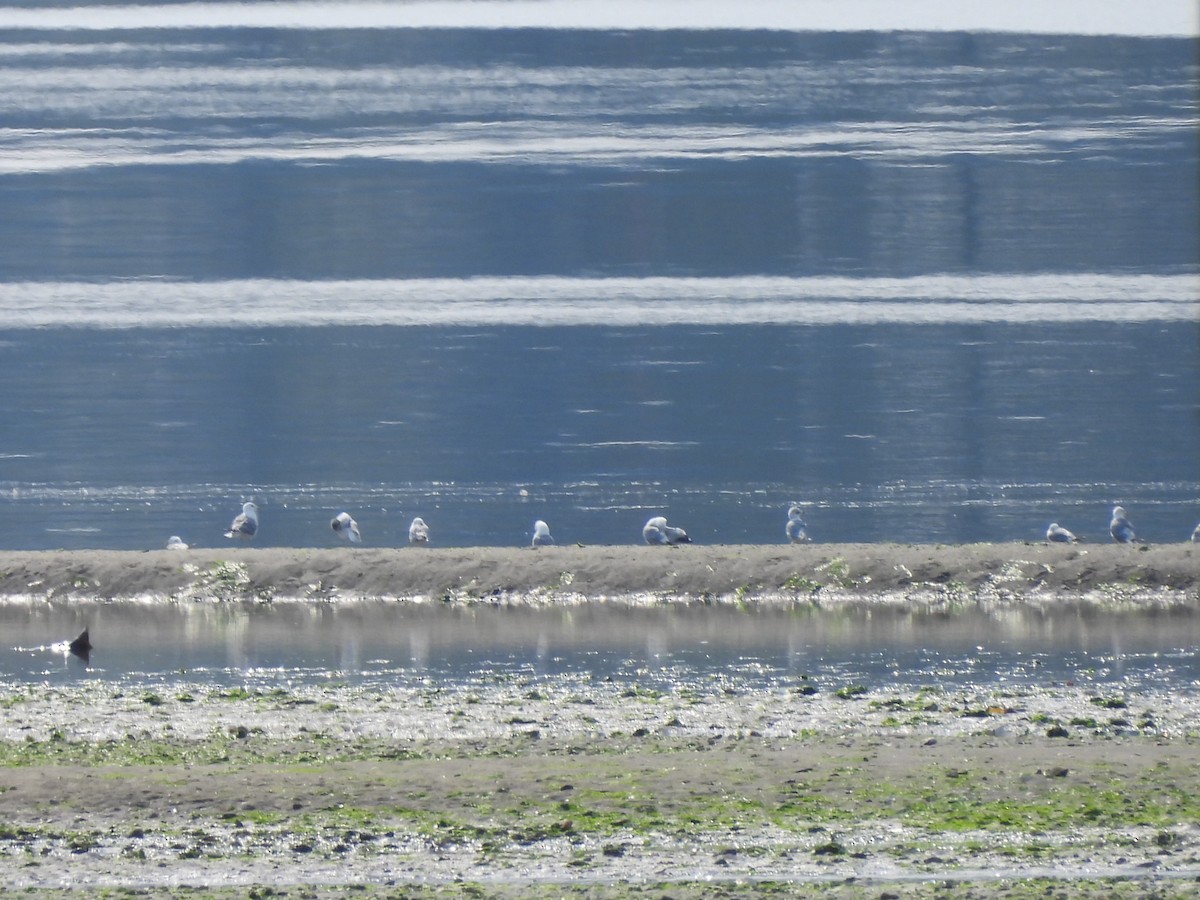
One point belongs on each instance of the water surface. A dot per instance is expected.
(935, 285)
(378, 644)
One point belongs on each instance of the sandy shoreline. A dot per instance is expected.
(687, 572)
(572, 787)
(581, 785)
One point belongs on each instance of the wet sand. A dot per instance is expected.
(545, 787)
(611, 572)
(582, 786)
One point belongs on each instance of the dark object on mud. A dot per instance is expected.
(81, 646)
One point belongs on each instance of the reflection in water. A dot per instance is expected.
(418, 648)
(376, 642)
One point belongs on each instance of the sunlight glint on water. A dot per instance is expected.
(935, 285)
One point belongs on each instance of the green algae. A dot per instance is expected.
(625, 802)
(592, 801)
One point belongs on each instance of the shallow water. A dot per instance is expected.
(145, 433)
(378, 644)
(938, 286)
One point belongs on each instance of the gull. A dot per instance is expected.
(345, 528)
(541, 534)
(1120, 527)
(245, 524)
(657, 531)
(418, 531)
(796, 530)
(1056, 534)
(175, 542)
(1196, 535)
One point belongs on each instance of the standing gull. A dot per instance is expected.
(1056, 534)
(657, 531)
(418, 532)
(541, 534)
(1196, 535)
(175, 542)
(245, 524)
(796, 530)
(1120, 527)
(346, 528)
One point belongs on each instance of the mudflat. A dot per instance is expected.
(568, 785)
(545, 788)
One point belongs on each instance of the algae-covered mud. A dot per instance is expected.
(545, 783)
(983, 721)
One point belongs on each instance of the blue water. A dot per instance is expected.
(935, 286)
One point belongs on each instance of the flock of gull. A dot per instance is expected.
(1119, 527)
(656, 530)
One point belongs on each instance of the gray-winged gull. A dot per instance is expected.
(1196, 535)
(418, 531)
(245, 524)
(345, 528)
(1056, 534)
(541, 534)
(175, 542)
(1120, 527)
(796, 529)
(657, 531)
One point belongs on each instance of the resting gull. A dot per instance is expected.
(418, 531)
(1120, 527)
(1056, 534)
(345, 528)
(175, 542)
(796, 530)
(245, 524)
(541, 534)
(1196, 535)
(657, 531)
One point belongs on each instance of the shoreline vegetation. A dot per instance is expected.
(543, 785)
(695, 573)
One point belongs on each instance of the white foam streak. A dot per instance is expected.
(604, 301)
(1150, 17)
(35, 151)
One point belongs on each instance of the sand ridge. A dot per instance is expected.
(719, 571)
